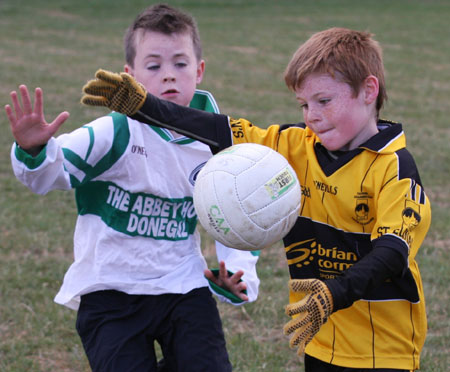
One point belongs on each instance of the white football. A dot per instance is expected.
(247, 196)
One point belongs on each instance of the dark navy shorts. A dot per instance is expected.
(118, 332)
(315, 365)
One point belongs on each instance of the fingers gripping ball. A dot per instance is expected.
(312, 311)
(119, 92)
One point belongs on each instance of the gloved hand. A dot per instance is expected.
(120, 92)
(313, 311)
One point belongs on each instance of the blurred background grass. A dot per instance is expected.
(59, 44)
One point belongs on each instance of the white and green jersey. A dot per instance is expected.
(136, 226)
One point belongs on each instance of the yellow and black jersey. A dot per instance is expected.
(363, 217)
(355, 204)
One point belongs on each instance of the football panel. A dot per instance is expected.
(209, 202)
(228, 162)
(277, 209)
(260, 173)
(235, 217)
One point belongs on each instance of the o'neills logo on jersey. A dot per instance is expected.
(330, 189)
(140, 150)
(327, 263)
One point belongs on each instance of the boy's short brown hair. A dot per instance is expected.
(164, 19)
(353, 55)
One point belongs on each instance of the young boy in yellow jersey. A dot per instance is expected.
(138, 275)
(356, 294)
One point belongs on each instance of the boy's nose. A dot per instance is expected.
(311, 116)
(168, 74)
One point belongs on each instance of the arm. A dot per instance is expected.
(44, 163)
(121, 93)
(209, 128)
(381, 264)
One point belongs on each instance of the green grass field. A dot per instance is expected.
(59, 44)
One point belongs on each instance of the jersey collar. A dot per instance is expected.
(389, 139)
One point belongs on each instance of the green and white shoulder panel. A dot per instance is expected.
(107, 141)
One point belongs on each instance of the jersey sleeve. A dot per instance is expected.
(43, 172)
(236, 260)
(72, 159)
(243, 131)
(404, 211)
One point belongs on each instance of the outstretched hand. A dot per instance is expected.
(119, 92)
(231, 283)
(28, 125)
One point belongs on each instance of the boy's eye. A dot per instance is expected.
(180, 64)
(153, 67)
(324, 101)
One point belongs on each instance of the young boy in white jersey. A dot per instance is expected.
(356, 294)
(138, 274)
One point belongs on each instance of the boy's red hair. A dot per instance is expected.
(348, 55)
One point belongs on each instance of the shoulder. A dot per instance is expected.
(204, 100)
(407, 167)
(291, 126)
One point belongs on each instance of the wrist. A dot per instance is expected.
(30, 161)
(32, 151)
(329, 299)
(224, 291)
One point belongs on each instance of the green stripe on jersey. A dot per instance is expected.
(137, 214)
(121, 137)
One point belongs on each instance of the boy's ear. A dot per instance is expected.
(200, 71)
(128, 70)
(371, 89)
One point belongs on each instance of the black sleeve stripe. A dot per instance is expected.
(413, 188)
(422, 198)
(407, 167)
(417, 193)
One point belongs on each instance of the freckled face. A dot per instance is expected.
(330, 110)
(167, 66)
